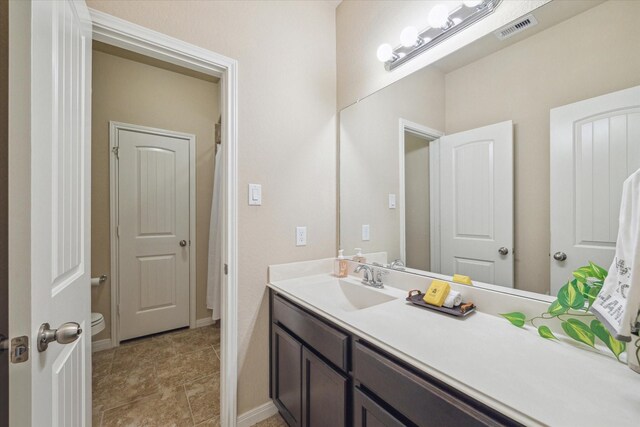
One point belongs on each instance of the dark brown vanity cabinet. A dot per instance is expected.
(324, 393)
(286, 380)
(321, 376)
(309, 385)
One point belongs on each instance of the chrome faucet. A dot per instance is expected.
(397, 265)
(372, 277)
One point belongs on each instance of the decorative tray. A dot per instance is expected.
(462, 310)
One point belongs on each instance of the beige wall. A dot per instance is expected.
(132, 92)
(363, 25)
(287, 138)
(417, 214)
(574, 60)
(369, 157)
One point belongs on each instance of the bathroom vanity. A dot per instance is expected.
(346, 354)
(343, 379)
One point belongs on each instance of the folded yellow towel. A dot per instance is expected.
(437, 293)
(464, 280)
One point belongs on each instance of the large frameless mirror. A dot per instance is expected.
(505, 160)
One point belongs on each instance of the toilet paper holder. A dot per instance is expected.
(95, 281)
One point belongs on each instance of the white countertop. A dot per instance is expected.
(530, 379)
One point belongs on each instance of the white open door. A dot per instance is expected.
(54, 189)
(595, 146)
(476, 194)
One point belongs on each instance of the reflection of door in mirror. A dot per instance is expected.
(476, 203)
(595, 147)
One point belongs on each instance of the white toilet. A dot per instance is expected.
(97, 323)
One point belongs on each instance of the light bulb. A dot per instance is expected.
(439, 16)
(471, 3)
(409, 37)
(385, 52)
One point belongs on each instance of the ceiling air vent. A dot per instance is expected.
(519, 26)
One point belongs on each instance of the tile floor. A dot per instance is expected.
(275, 421)
(170, 379)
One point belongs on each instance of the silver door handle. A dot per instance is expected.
(65, 334)
(183, 243)
(503, 251)
(560, 256)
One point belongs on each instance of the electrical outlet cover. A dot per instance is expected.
(301, 236)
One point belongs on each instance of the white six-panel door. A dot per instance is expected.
(476, 194)
(60, 209)
(595, 146)
(153, 232)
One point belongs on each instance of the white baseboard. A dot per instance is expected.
(204, 322)
(256, 415)
(100, 345)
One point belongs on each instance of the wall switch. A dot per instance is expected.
(365, 232)
(392, 201)
(255, 194)
(301, 236)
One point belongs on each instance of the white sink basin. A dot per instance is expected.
(349, 296)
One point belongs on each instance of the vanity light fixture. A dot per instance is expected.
(409, 37)
(439, 17)
(385, 53)
(443, 23)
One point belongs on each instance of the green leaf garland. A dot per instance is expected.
(583, 288)
(545, 332)
(579, 331)
(516, 318)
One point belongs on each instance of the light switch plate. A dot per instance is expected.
(301, 236)
(255, 194)
(365, 232)
(392, 201)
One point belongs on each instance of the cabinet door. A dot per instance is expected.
(367, 413)
(286, 358)
(324, 393)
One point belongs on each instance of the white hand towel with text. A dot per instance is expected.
(618, 302)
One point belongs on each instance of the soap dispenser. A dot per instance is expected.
(341, 266)
(359, 257)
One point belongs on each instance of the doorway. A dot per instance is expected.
(417, 211)
(153, 145)
(419, 196)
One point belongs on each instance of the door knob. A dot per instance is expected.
(183, 243)
(503, 251)
(560, 256)
(65, 334)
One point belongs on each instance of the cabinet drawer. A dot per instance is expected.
(328, 341)
(419, 400)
